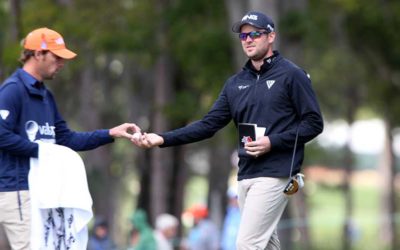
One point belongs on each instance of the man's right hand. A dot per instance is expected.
(146, 140)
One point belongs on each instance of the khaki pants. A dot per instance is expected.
(17, 231)
(261, 202)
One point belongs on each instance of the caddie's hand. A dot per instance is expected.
(125, 130)
(256, 148)
(147, 140)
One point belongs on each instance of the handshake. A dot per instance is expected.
(146, 140)
(133, 133)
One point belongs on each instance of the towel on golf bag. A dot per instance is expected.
(61, 205)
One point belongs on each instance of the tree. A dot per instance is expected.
(378, 47)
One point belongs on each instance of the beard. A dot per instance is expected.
(49, 76)
(257, 54)
(257, 57)
(49, 73)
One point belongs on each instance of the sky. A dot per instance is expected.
(366, 136)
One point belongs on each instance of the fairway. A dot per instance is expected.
(327, 216)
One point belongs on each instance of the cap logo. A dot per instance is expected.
(43, 45)
(59, 41)
(252, 17)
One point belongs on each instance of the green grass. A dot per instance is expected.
(327, 216)
(326, 212)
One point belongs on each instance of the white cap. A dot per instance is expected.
(165, 221)
(232, 193)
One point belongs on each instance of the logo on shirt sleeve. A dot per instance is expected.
(4, 114)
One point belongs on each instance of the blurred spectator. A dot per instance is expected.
(100, 239)
(142, 237)
(205, 234)
(231, 222)
(133, 239)
(166, 230)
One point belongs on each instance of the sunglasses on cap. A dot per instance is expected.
(253, 35)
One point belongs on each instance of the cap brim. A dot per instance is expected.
(64, 53)
(237, 26)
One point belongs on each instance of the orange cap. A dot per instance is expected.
(198, 211)
(47, 39)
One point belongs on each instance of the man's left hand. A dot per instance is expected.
(256, 148)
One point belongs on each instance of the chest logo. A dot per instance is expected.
(32, 128)
(4, 114)
(243, 87)
(270, 83)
